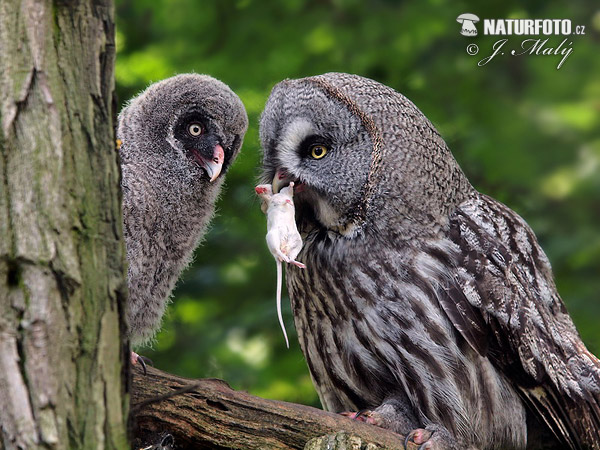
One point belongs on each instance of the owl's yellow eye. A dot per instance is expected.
(318, 151)
(195, 129)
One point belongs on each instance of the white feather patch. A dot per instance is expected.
(292, 137)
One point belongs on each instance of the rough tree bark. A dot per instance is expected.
(208, 414)
(62, 380)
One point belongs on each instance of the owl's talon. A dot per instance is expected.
(419, 436)
(433, 437)
(353, 415)
(362, 415)
(142, 360)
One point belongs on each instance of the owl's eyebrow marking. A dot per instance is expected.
(358, 214)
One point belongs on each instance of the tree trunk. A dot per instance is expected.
(62, 377)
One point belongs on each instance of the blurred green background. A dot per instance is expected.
(523, 131)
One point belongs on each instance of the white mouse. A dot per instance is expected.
(283, 238)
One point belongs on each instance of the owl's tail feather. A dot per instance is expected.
(572, 414)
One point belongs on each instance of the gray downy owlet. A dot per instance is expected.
(424, 302)
(178, 138)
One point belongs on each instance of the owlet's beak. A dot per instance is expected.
(214, 165)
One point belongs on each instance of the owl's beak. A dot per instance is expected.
(281, 179)
(214, 166)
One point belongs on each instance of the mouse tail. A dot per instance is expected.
(279, 315)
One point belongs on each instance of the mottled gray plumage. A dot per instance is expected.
(168, 197)
(423, 300)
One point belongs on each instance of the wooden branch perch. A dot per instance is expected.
(209, 414)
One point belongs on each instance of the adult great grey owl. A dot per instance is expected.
(423, 301)
(178, 138)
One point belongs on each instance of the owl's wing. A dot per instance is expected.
(501, 297)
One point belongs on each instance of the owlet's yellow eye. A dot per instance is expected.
(318, 151)
(195, 129)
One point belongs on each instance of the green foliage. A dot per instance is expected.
(523, 131)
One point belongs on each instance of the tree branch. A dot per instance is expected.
(209, 414)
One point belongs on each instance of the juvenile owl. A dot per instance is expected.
(424, 302)
(178, 138)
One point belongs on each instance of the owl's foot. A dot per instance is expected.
(142, 360)
(370, 417)
(364, 415)
(420, 436)
(432, 437)
(392, 414)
